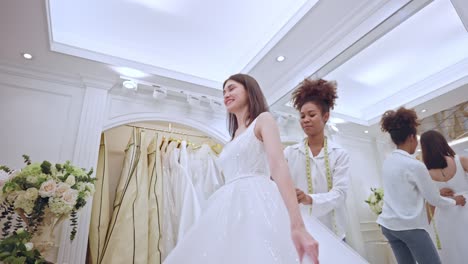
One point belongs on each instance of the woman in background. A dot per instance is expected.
(407, 185)
(449, 172)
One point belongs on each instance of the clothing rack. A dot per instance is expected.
(216, 147)
(170, 131)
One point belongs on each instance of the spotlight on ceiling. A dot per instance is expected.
(280, 58)
(193, 100)
(27, 56)
(216, 104)
(423, 111)
(159, 92)
(366, 131)
(129, 84)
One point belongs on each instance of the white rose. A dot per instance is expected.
(29, 246)
(70, 180)
(20, 230)
(47, 188)
(61, 188)
(372, 199)
(69, 197)
(31, 194)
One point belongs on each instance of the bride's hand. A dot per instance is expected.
(305, 244)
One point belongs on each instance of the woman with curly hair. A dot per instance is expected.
(319, 167)
(407, 185)
(449, 172)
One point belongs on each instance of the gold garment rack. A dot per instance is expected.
(170, 131)
(216, 147)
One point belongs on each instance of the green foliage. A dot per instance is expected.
(17, 249)
(27, 160)
(46, 167)
(5, 169)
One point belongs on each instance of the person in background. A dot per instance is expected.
(449, 172)
(319, 167)
(407, 185)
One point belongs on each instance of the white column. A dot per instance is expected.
(85, 155)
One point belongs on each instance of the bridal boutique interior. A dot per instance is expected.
(93, 82)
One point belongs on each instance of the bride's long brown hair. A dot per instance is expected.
(256, 101)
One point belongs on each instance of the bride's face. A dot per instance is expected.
(235, 96)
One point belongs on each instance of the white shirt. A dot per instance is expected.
(324, 201)
(406, 183)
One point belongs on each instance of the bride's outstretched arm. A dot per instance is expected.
(267, 131)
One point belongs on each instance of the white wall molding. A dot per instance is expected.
(58, 78)
(122, 110)
(86, 156)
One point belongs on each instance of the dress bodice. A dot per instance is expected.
(244, 156)
(459, 182)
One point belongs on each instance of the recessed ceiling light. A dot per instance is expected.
(423, 111)
(27, 56)
(129, 84)
(280, 58)
(366, 131)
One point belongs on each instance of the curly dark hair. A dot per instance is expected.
(318, 91)
(400, 124)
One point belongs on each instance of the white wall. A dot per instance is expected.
(38, 117)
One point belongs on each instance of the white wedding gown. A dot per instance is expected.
(452, 222)
(246, 221)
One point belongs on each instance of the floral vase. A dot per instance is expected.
(45, 239)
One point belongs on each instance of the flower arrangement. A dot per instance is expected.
(17, 248)
(38, 189)
(375, 200)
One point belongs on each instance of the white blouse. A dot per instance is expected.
(324, 201)
(407, 184)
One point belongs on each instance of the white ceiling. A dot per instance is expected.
(199, 41)
(433, 43)
(194, 46)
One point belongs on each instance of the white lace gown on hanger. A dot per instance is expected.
(452, 222)
(246, 221)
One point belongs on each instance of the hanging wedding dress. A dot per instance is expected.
(246, 221)
(451, 222)
(204, 173)
(169, 236)
(186, 200)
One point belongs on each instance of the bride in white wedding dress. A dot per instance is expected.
(246, 221)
